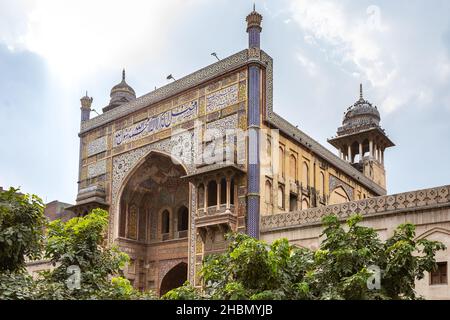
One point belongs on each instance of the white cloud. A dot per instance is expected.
(361, 41)
(79, 37)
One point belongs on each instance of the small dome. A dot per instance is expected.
(361, 113)
(121, 93)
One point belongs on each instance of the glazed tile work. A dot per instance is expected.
(96, 169)
(151, 125)
(96, 146)
(222, 98)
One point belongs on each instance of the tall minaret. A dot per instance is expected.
(86, 103)
(254, 118)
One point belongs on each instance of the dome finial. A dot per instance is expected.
(360, 92)
(123, 74)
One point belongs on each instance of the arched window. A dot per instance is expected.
(165, 222)
(212, 193)
(305, 204)
(322, 184)
(201, 196)
(183, 218)
(232, 191)
(269, 152)
(132, 222)
(280, 197)
(305, 175)
(223, 191)
(268, 192)
(293, 167)
(281, 162)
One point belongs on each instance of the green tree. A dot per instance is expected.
(22, 223)
(80, 242)
(339, 269)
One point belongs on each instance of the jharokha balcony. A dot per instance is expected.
(216, 194)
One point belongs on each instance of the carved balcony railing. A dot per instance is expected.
(216, 218)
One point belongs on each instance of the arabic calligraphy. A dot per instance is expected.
(157, 123)
(222, 98)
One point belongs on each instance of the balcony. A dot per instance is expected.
(215, 219)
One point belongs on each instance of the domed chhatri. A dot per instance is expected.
(362, 114)
(121, 93)
(361, 140)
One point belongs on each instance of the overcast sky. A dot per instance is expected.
(51, 52)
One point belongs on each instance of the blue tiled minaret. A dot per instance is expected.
(254, 106)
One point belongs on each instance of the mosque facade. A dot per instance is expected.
(179, 167)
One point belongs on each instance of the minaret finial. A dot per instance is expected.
(254, 28)
(123, 74)
(360, 92)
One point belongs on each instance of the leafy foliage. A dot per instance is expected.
(79, 242)
(22, 223)
(185, 292)
(339, 269)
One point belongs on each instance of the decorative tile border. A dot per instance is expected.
(378, 205)
(210, 72)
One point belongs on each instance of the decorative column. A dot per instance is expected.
(361, 154)
(371, 149)
(349, 152)
(254, 105)
(86, 103)
(205, 200)
(218, 193)
(228, 193)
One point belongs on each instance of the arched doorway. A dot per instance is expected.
(151, 197)
(153, 220)
(174, 278)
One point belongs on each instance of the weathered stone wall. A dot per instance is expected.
(428, 209)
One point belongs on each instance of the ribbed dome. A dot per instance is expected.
(361, 113)
(120, 94)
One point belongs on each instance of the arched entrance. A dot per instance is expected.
(153, 221)
(151, 198)
(174, 278)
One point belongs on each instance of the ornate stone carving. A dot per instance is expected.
(377, 205)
